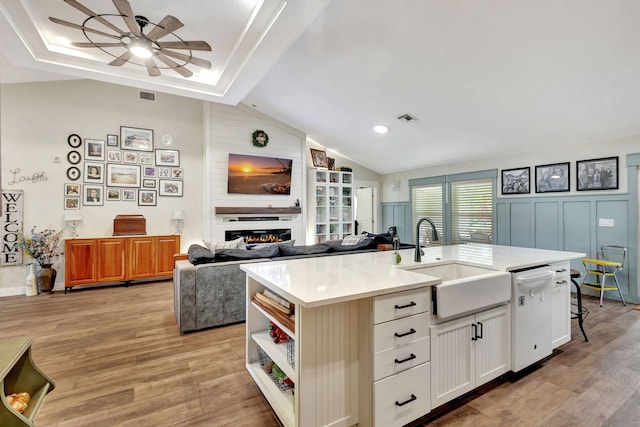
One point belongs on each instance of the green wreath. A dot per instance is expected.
(259, 138)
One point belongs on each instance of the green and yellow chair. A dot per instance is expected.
(611, 261)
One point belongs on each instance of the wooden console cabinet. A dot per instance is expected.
(91, 261)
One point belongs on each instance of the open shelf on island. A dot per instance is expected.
(277, 352)
(281, 401)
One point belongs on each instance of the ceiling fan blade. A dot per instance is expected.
(152, 68)
(193, 45)
(129, 18)
(92, 14)
(187, 58)
(171, 63)
(91, 44)
(168, 25)
(80, 27)
(122, 59)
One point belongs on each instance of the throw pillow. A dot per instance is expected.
(231, 244)
(242, 254)
(353, 240)
(198, 254)
(366, 243)
(264, 245)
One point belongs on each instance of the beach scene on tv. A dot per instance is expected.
(259, 175)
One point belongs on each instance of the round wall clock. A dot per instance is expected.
(73, 157)
(73, 173)
(74, 140)
(259, 138)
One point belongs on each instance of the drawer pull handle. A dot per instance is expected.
(561, 271)
(411, 399)
(413, 356)
(400, 307)
(562, 282)
(411, 331)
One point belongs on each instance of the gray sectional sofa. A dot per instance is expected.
(210, 289)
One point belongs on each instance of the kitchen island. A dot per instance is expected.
(360, 348)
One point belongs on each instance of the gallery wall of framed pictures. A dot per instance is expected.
(590, 175)
(121, 168)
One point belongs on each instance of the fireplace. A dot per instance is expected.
(260, 236)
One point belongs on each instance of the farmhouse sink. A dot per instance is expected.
(466, 289)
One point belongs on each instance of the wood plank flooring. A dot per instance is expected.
(117, 359)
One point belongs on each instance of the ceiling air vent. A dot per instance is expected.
(407, 118)
(147, 96)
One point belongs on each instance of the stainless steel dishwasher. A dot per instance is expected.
(531, 310)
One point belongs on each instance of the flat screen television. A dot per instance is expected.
(259, 175)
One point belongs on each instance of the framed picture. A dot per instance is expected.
(552, 178)
(123, 175)
(149, 171)
(167, 158)
(112, 140)
(130, 157)
(149, 183)
(516, 181)
(113, 194)
(597, 174)
(93, 149)
(319, 158)
(114, 156)
(170, 187)
(145, 158)
(128, 195)
(72, 190)
(72, 202)
(147, 197)
(93, 195)
(136, 139)
(164, 172)
(94, 172)
(176, 173)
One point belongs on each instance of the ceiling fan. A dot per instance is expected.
(136, 43)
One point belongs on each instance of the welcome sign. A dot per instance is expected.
(12, 204)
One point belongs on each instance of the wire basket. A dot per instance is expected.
(263, 358)
(291, 352)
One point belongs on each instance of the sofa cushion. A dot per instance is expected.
(353, 240)
(231, 244)
(242, 254)
(198, 254)
(303, 250)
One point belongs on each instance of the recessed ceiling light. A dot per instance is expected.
(380, 129)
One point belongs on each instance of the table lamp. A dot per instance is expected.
(73, 216)
(178, 217)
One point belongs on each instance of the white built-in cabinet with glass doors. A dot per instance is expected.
(331, 199)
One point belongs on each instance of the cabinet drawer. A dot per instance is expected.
(402, 398)
(400, 304)
(399, 332)
(398, 359)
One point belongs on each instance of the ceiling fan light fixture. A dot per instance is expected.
(141, 48)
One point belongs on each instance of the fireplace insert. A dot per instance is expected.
(260, 236)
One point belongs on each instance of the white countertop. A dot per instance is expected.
(326, 280)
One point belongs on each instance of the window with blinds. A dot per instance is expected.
(471, 211)
(426, 201)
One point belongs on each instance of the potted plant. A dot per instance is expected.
(43, 246)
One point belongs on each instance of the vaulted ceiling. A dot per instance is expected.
(480, 78)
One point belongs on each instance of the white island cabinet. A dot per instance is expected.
(364, 348)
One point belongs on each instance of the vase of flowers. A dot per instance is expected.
(43, 246)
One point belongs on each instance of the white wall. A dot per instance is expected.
(37, 118)
(618, 147)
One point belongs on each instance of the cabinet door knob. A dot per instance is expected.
(411, 331)
(400, 307)
(411, 399)
(413, 356)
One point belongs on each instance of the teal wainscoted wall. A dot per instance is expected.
(397, 214)
(572, 222)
